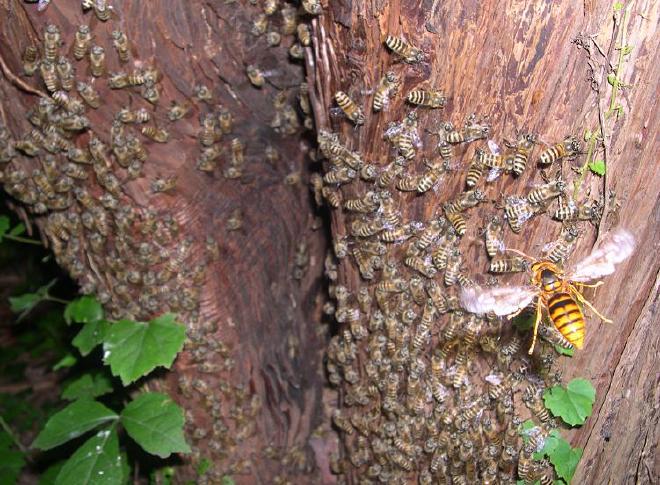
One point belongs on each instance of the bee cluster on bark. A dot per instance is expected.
(429, 392)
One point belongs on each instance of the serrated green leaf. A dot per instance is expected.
(597, 167)
(69, 360)
(87, 386)
(90, 335)
(133, 349)
(155, 422)
(572, 404)
(4, 226)
(48, 477)
(24, 302)
(83, 310)
(96, 462)
(565, 459)
(17, 230)
(72, 421)
(564, 351)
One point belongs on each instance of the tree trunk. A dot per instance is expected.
(250, 376)
(540, 68)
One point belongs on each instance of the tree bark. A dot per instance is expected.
(249, 376)
(532, 68)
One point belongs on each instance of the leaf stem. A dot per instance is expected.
(9, 432)
(591, 145)
(622, 54)
(56, 299)
(22, 239)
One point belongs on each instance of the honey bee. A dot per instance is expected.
(273, 38)
(259, 25)
(202, 93)
(120, 43)
(289, 20)
(573, 212)
(88, 94)
(421, 265)
(493, 233)
(304, 35)
(568, 148)
(533, 402)
(352, 111)
(387, 86)
(52, 41)
(97, 60)
(513, 264)
(558, 251)
(255, 75)
(431, 176)
(49, 75)
(555, 290)
(408, 52)
(150, 92)
(472, 131)
(30, 60)
(102, 10)
(429, 98)
(521, 152)
(82, 42)
(518, 211)
(464, 201)
(177, 111)
(207, 135)
(454, 261)
(368, 203)
(159, 135)
(546, 192)
(332, 196)
(339, 176)
(296, 51)
(312, 7)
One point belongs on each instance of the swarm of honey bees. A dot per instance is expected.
(138, 260)
(434, 381)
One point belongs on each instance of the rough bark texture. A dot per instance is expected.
(522, 66)
(249, 376)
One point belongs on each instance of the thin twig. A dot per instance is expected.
(18, 82)
(8, 430)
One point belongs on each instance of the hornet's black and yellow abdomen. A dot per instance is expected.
(567, 317)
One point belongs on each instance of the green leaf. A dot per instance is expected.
(87, 386)
(72, 421)
(25, 302)
(617, 6)
(565, 459)
(4, 226)
(133, 349)
(155, 422)
(17, 230)
(597, 167)
(527, 425)
(572, 404)
(69, 360)
(227, 480)
(612, 80)
(90, 335)
(83, 310)
(11, 461)
(48, 477)
(587, 135)
(96, 462)
(564, 351)
(626, 49)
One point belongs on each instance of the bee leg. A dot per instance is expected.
(595, 285)
(536, 326)
(582, 300)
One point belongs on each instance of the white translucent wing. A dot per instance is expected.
(494, 147)
(616, 247)
(501, 301)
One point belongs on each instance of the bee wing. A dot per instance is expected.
(503, 300)
(494, 147)
(617, 247)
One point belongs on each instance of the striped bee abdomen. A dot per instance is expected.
(567, 317)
